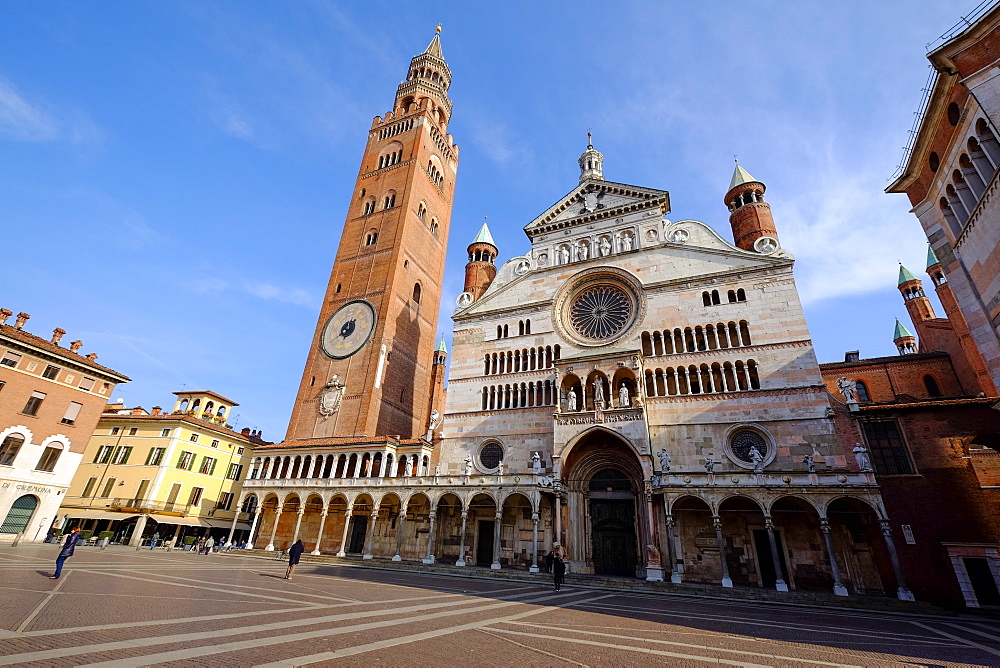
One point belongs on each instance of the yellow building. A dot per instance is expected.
(149, 474)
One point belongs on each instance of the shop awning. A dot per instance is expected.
(222, 524)
(183, 521)
(92, 514)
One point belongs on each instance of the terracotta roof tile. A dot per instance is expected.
(26, 337)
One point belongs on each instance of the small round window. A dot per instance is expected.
(744, 442)
(491, 455)
(954, 113)
(933, 161)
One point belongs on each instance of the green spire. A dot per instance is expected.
(442, 348)
(741, 176)
(901, 331)
(905, 275)
(484, 236)
(932, 259)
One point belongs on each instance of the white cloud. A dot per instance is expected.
(269, 291)
(21, 120)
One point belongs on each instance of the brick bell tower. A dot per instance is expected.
(368, 371)
(481, 268)
(750, 215)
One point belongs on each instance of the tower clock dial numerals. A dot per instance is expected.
(348, 329)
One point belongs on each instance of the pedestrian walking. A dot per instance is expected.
(209, 544)
(294, 554)
(199, 546)
(67, 551)
(156, 539)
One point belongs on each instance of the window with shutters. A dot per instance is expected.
(195, 498)
(122, 454)
(72, 411)
(108, 487)
(87, 384)
(48, 460)
(186, 461)
(235, 471)
(34, 403)
(155, 456)
(10, 359)
(103, 455)
(207, 465)
(88, 489)
(225, 501)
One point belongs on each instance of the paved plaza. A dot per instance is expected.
(120, 607)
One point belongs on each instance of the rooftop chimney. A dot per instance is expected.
(137, 410)
(91, 356)
(245, 431)
(57, 335)
(4, 314)
(852, 356)
(157, 410)
(22, 318)
(75, 345)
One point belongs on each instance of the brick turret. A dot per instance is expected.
(917, 304)
(481, 270)
(750, 215)
(905, 342)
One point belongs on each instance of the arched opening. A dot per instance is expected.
(932, 386)
(416, 293)
(19, 515)
(861, 389)
(696, 544)
(741, 519)
(860, 545)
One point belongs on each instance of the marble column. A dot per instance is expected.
(140, 525)
(461, 540)
(274, 530)
(232, 527)
(675, 574)
(371, 534)
(779, 582)
(902, 592)
(717, 523)
(496, 541)
(253, 527)
(319, 536)
(429, 559)
(534, 543)
(357, 466)
(558, 538)
(399, 534)
(342, 552)
(838, 587)
(654, 571)
(298, 523)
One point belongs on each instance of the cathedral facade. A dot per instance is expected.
(638, 394)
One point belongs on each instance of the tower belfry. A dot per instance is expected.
(368, 371)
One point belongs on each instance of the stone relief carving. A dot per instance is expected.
(849, 389)
(678, 236)
(861, 457)
(330, 396)
(766, 245)
(522, 266)
(464, 299)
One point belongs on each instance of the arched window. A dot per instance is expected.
(389, 201)
(932, 387)
(706, 298)
(741, 295)
(862, 391)
(434, 226)
(421, 210)
(527, 326)
(506, 332)
(371, 238)
(520, 327)
(499, 332)
(20, 513)
(369, 207)
(9, 449)
(416, 293)
(732, 296)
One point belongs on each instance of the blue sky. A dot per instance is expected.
(174, 176)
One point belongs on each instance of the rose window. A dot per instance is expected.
(601, 312)
(491, 455)
(744, 441)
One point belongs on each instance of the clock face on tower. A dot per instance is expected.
(348, 329)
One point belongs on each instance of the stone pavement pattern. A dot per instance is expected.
(120, 607)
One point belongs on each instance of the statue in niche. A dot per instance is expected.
(435, 419)
(709, 465)
(849, 389)
(330, 396)
(598, 393)
(582, 251)
(564, 255)
(468, 465)
(624, 401)
(536, 464)
(571, 400)
(605, 247)
(411, 465)
(437, 469)
(861, 457)
(543, 259)
(664, 460)
(810, 463)
(757, 459)
(627, 241)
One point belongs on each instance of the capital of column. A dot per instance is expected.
(716, 522)
(301, 512)
(499, 515)
(534, 517)
(824, 525)
(670, 521)
(769, 523)
(465, 514)
(433, 514)
(886, 528)
(324, 512)
(256, 513)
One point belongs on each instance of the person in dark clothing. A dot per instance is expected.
(67, 551)
(558, 570)
(294, 554)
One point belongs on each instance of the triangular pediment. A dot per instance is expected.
(594, 200)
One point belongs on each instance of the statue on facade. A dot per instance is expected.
(571, 400)
(468, 465)
(437, 469)
(605, 246)
(598, 393)
(411, 466)
(435, 419)
(652, 557)
(627, 241)
(624, 401)
(464, 299)
(582, 251)
(536, 463)
(861, 457)
(810, 462)
(564, 255)
(757, 459)
(664, 460)
(709, 466)
(849, 389)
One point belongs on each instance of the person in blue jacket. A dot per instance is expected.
(294, 554)
(67, 551)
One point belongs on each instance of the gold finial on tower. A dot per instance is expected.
(590, 140)
(438, 29)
